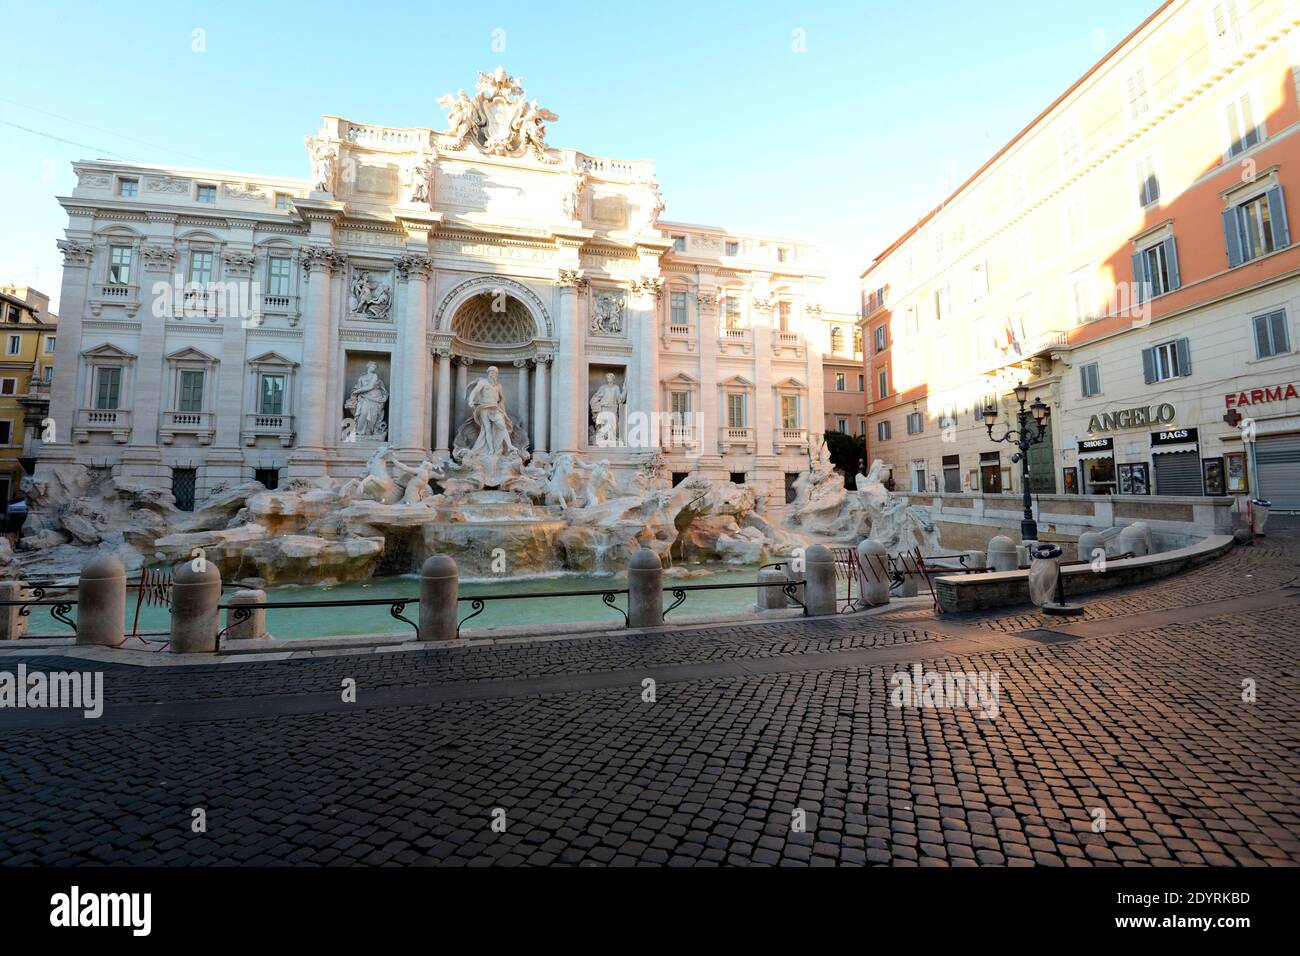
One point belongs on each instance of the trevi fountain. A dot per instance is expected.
(493, 506)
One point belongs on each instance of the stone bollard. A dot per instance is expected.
(252, 628)
(196, 618)
(101, 602)
(873, 574)
(1002, 554)
(439, 593)
(772, 598)
(1135, 538)
(819, 589)
(1089, 542)
(12, 624)
(645, 590)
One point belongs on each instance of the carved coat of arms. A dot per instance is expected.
(499, 120)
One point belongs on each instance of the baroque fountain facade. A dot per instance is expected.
(463, 341)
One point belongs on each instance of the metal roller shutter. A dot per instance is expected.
(1278, 462)
(1178, 473)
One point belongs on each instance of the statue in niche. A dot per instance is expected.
(324, 163)
(369, 298)
(487, 407)
(571, 202)
(416, 177)
(366, 403)
(608, 407)
(607, 314)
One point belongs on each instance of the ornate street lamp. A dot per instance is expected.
(1023, 439)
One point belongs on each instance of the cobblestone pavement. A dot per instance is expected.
(1122, 738)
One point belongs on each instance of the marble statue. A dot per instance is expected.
(370, 298)
(324, 163)
(366, 403)
(607, 412)
(380, 482)
(499, 120)
(463, 117)
(416, 177)
(486, 402)
(417, 489)
(571, 202)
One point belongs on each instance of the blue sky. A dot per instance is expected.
(846, 142)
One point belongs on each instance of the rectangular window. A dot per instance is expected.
(8, 386)
(941, 304)
(882, 384)
(190, 398)
(842, 426)
(201, 268)
(1155, 270)
(49, 343)
(1075, 225)
(206, 194)
(884, 431)
(15, 344)
(1271, 335)
(918, 476)
(733, 312)
(119, 265)
(910, 322)
(840, 382)
(677, 304)
(271, 395)
(679, 243)
(1225, 26)
(6, 432)
(1148, 182)
(1243, 133)
(1136, 89)
(915, 423)
(108, 386)
(862, 383)
(1167, 360)
(735, 410)
(1090, 379)
(880, 338)
(733, 248)
(680, 406)
(789, 411)
(128, 187)
(1081, 302)
(782, 254)
(1258, 225)
(979, 281)
(283, 200)
(279, 269)
(783, 316)
(862, 427)
(1069, 141)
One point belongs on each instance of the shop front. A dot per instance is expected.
(1097, 466)
(1176, 458)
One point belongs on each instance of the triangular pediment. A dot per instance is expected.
(737, 381)
(108, 351)
(273, 358)
(190, 354)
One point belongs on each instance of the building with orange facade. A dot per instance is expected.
(843, 381)
(1128, 257)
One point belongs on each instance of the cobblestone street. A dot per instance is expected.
(1129, 721)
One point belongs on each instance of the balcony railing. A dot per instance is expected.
(787, 437)
(261, 425)
(198, 424)
(115, 293)
(736, 436)
(681, 435)
(114, 421)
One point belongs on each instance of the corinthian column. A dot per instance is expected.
(541, 403)
(409, 386)
(521, 395)
(571, 369)
(318, 264)
(443, 438)
(645, 325)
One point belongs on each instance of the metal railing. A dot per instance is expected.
(237, 614)
(59, 607)
(790, 588)
(608, 597)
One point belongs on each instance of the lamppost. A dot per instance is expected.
(1023, 439)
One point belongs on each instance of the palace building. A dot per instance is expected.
(221, 327)
(1127, 256)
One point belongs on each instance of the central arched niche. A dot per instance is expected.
(494, 320)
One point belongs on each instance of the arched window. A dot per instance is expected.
(837, 340)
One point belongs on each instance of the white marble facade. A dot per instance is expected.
(237, 324)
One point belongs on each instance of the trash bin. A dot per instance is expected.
(1259, 514)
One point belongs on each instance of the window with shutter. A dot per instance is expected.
(1271, 336)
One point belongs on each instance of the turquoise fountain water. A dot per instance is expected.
(340, 621)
